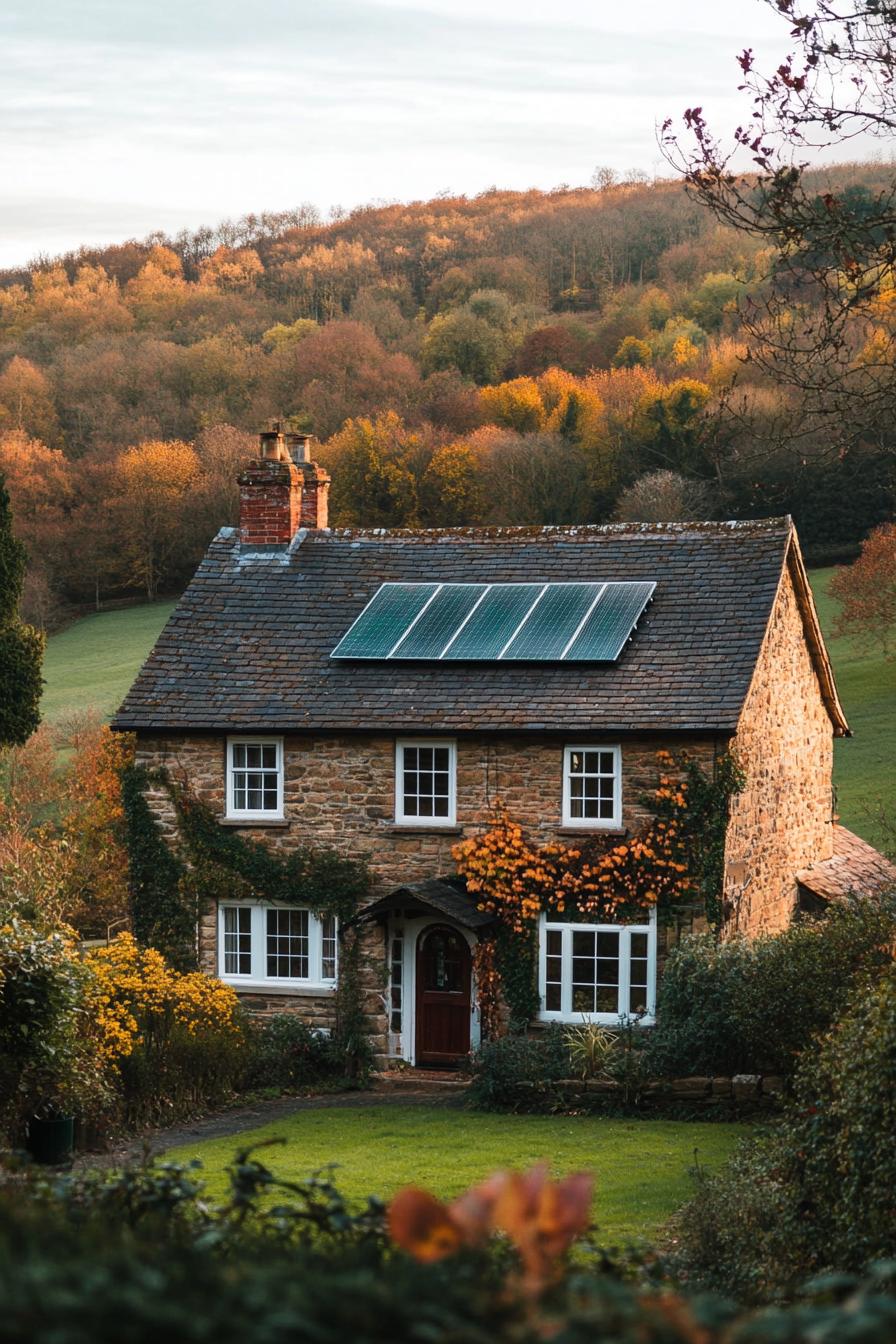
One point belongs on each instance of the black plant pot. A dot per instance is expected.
(51, 1142)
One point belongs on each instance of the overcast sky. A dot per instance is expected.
(118, 117)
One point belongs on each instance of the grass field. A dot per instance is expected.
(641, 1166)
(91, 664)
(864, 771)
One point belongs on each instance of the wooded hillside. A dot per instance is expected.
(530, 357)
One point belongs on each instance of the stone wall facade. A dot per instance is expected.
(783, 820)
(339, 792)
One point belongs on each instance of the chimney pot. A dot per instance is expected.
(270, 442)
(299, 447)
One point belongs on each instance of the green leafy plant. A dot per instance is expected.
(591, 1049)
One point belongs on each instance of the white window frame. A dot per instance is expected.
(258, 977)
(250, 814)
(613, 823)
(565, 1013)
(425, 823)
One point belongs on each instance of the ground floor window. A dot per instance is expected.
(597, 972)
(265, 944)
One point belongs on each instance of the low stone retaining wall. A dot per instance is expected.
(744, 1093)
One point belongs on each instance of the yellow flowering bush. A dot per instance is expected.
(174, 1041)
(134, 987)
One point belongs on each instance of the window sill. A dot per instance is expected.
(425, 828)
(614, 1021)
(295, 988)
(615, 832)
(250, 823)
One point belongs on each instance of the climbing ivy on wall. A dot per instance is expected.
(170, 887)
(677, 858)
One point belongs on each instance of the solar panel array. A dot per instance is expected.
(496, 622)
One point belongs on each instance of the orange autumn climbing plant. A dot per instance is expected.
(675, 858)
(516, 880)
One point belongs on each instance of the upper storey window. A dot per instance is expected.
(592, 786)
(255, 777)
(425, 782)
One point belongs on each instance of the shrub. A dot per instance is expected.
(752, 1006)
(82, 1255)
(285, 1053)
(47, 1063)
(515, 1070)
(817, 1193)
(173, 1042)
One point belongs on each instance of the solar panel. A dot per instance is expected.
(553, 622)
(603, 636)
(432, 630)
(384, 620)
(499, 622)
(493, 622)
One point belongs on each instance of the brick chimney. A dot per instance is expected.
(315, 481)
(281, 490)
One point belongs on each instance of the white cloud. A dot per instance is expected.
(121, 116)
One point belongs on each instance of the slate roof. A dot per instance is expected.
(854, 868)
(248, 644)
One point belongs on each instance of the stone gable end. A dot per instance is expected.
(783, 820)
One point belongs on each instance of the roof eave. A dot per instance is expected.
(814, 637)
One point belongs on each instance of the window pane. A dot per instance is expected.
(239, 755)
(554, 942)
(287, 944)
(583, 943)
(552, 998)
(426, 782)
(638, 944)
(237, 940)
(328, 948)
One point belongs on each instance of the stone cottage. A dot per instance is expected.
(377, 691)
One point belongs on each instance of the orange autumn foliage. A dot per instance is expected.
(516, 880)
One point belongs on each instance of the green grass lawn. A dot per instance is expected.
(641, 1166)
(864, 773)
(91, 664)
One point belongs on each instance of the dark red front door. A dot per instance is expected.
(443, 997)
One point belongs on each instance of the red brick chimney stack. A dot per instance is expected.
(281, 490)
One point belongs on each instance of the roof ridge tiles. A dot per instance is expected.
(740, 526)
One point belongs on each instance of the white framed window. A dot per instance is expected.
(255, 777)
(276, 945)
(592, 787)
(597, 972)
(425, 781)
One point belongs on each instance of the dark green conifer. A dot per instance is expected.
(21, 646)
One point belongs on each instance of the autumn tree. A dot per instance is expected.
(866, 590)
(153, 486)
(376, 465)
(21, 646)
(26, 401)
(665, 497)
(832, 249)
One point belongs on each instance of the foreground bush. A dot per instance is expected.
(139, 1255)
(819, 1192)
(751, 1006)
